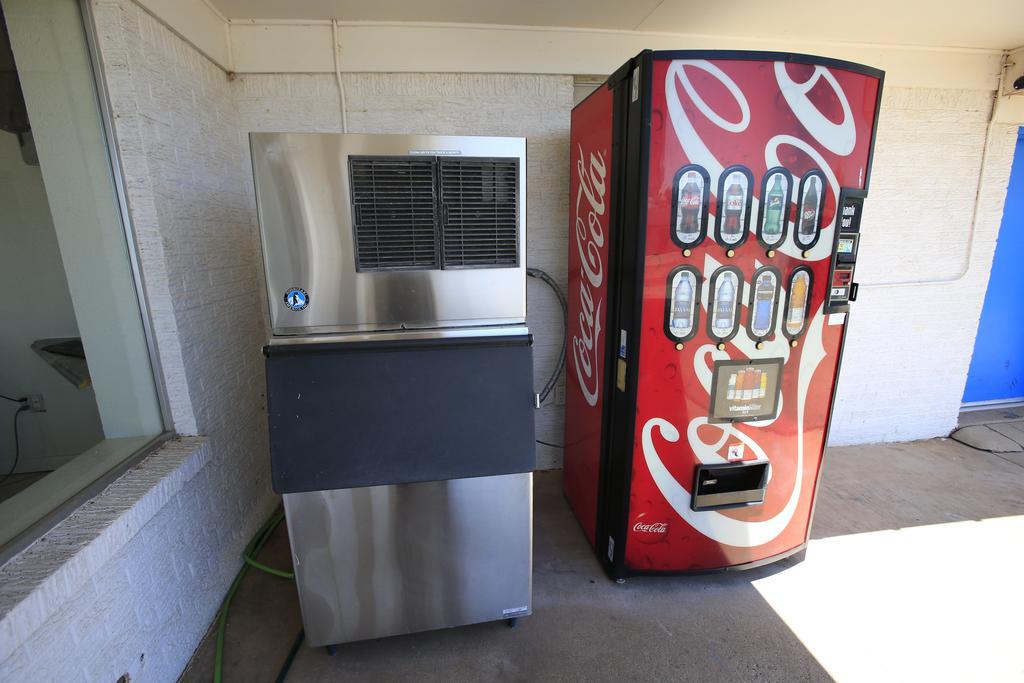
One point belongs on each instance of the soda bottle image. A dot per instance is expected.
(764, 297)
(725, 302)
(774, 211)
(730, 391)
(688, 203)
(732, 211)
(741, 384)
(797, 304)
(682, 306)
(748, 384)
(763, 391)
(809, 210)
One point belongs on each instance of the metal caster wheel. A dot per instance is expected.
(331, 650)
(512, 623)
(620, 581)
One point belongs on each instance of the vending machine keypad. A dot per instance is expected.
(842, 289)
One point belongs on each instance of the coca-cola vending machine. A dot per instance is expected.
(715, 208)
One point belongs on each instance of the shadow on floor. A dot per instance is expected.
(900, 485)
(584, 627)
(17, 483)
(702, 628)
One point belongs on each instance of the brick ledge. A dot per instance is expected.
(38, 580)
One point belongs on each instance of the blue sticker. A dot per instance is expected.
(296, 298)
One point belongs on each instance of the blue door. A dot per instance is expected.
(997, 367)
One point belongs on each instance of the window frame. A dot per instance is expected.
(90, 489)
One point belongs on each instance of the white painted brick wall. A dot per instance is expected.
(909, 348)
(534, 107)
(97, 596)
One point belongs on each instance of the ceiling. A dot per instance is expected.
(990, 24)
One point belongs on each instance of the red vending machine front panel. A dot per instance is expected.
(590, 179)
(739, 339)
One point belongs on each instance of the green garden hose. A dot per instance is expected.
(249, 558)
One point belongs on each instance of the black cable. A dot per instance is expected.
(553, 445)
(13, 400)
(550, 282)
(972, 446)
(251, 550)
(1006, 436)
(999, 454)
(17, 446)
(283, 673)
(952, 437)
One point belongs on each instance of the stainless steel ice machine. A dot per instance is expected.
(399, 376)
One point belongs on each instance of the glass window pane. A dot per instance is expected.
(73, 332)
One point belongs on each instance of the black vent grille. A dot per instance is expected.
(480, 212)
(394, 204)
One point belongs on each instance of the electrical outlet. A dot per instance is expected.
(36, 403)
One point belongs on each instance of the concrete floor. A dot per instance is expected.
(905, 580)
(997, 430)
(17, 483)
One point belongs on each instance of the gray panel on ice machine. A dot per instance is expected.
(399, 376)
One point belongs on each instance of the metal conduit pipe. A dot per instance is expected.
(969, 258)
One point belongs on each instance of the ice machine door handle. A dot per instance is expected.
(449, 397)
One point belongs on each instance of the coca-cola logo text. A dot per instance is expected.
(651, 527)
(589, 230)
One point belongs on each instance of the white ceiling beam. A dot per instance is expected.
(280, 46)
(297, 47)
(199, 23)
